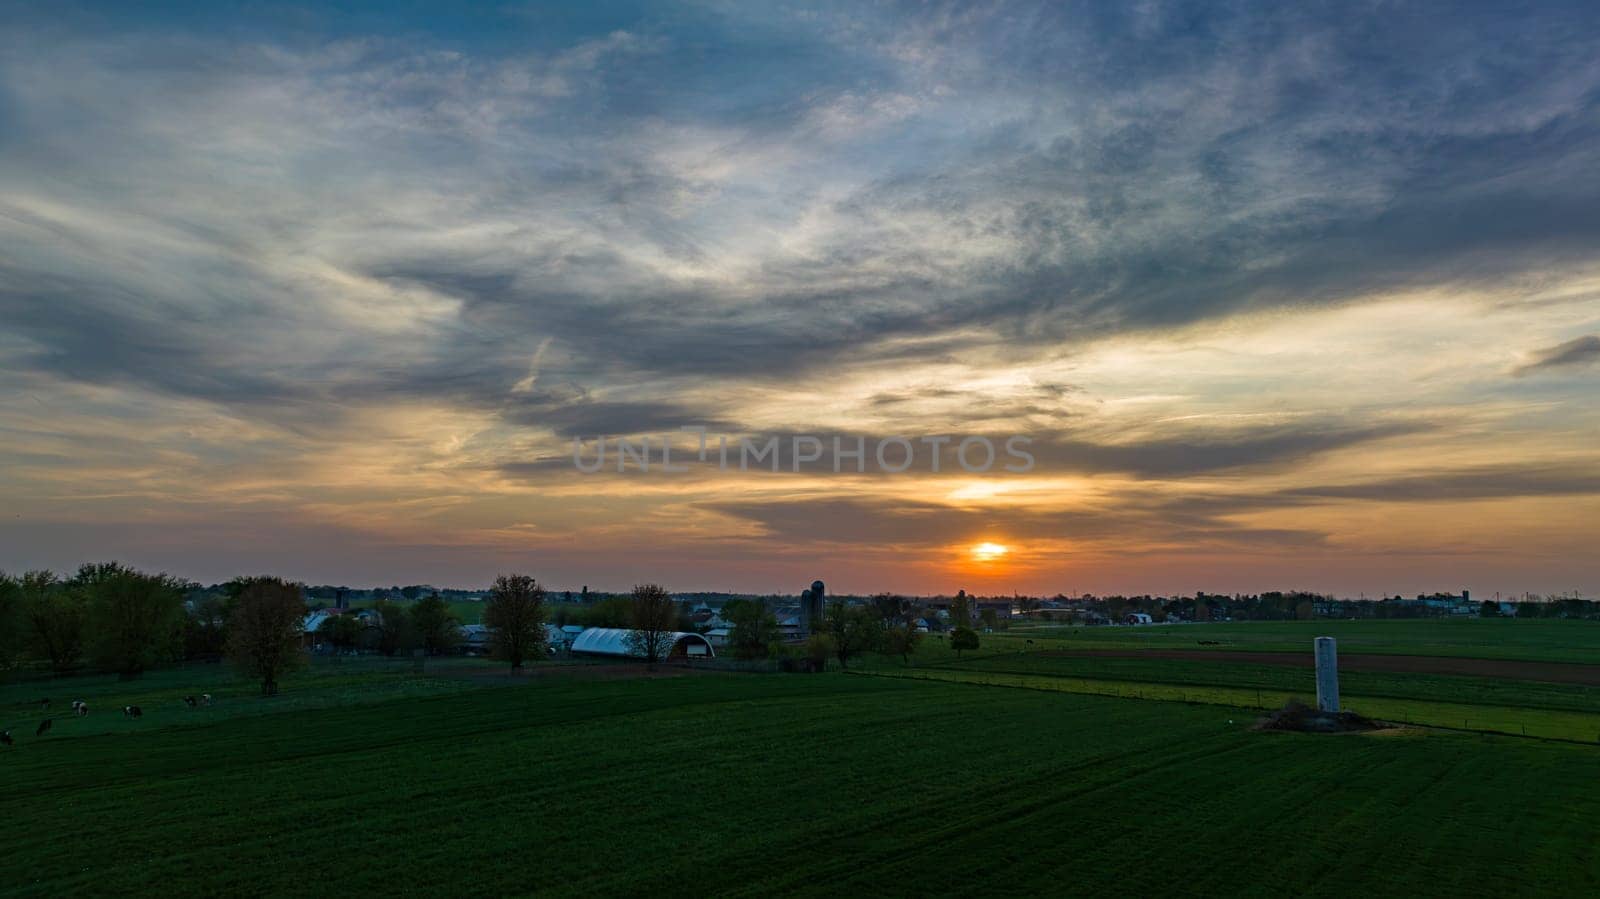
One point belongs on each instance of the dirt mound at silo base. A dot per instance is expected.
(1299, 717)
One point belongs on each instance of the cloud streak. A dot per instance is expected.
(410, 259)
(1580, 352)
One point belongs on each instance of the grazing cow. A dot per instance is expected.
(5, 737)
(205, 698)
(1030, 642)
(131, 711)
(190, 701)
(44, 726)
(80, 708)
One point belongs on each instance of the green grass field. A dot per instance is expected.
(1041, 658)
(1004, 771)
(1482, 638)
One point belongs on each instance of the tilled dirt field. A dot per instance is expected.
(1549, 672)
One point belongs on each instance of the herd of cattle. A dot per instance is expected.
(80, 709)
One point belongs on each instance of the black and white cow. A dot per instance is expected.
(80, 708)
(5, 738)
(131, 711)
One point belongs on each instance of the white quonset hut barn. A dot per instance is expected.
(613, 641)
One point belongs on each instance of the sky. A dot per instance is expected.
(1281, 296)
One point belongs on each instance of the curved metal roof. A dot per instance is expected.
(613, 641)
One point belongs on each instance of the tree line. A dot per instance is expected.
(112, 618)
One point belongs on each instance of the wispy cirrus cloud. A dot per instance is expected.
(1579, 352)
(418, 257)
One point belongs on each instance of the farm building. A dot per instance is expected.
(476, 638)
(1136, 618)
(312, 622)
(560, 637)
(613, 641)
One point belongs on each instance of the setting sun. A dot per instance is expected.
(989, 552)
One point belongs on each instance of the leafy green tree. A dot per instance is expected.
(654, 617)
(135, 619)
(963, 638)
(437, 630)
(990, 618)
(901, 640)
(853, 629)
(341, 631)
(266, 630)
(205, 630)
(56, 619)
(819, 648)
(755, 629)
(961, 610)
(395, 632)
(12, 633)
(515, 615)
(1489, 609)
(613, 611)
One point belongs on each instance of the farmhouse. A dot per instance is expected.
(560, 637)
(613, 641)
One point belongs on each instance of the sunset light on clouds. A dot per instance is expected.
(1279, 300)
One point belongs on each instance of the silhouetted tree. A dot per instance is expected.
(395, 633)
(891, 610)
(205, 630)
(654, 617)
(961, 610)
(853, 629)
(901, 640)
(515, 616)
(436, 628)
(266, 630)
(963, 638)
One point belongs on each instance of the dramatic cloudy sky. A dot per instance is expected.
(1286, 295)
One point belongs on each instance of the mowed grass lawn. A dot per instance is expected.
(830, 784)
